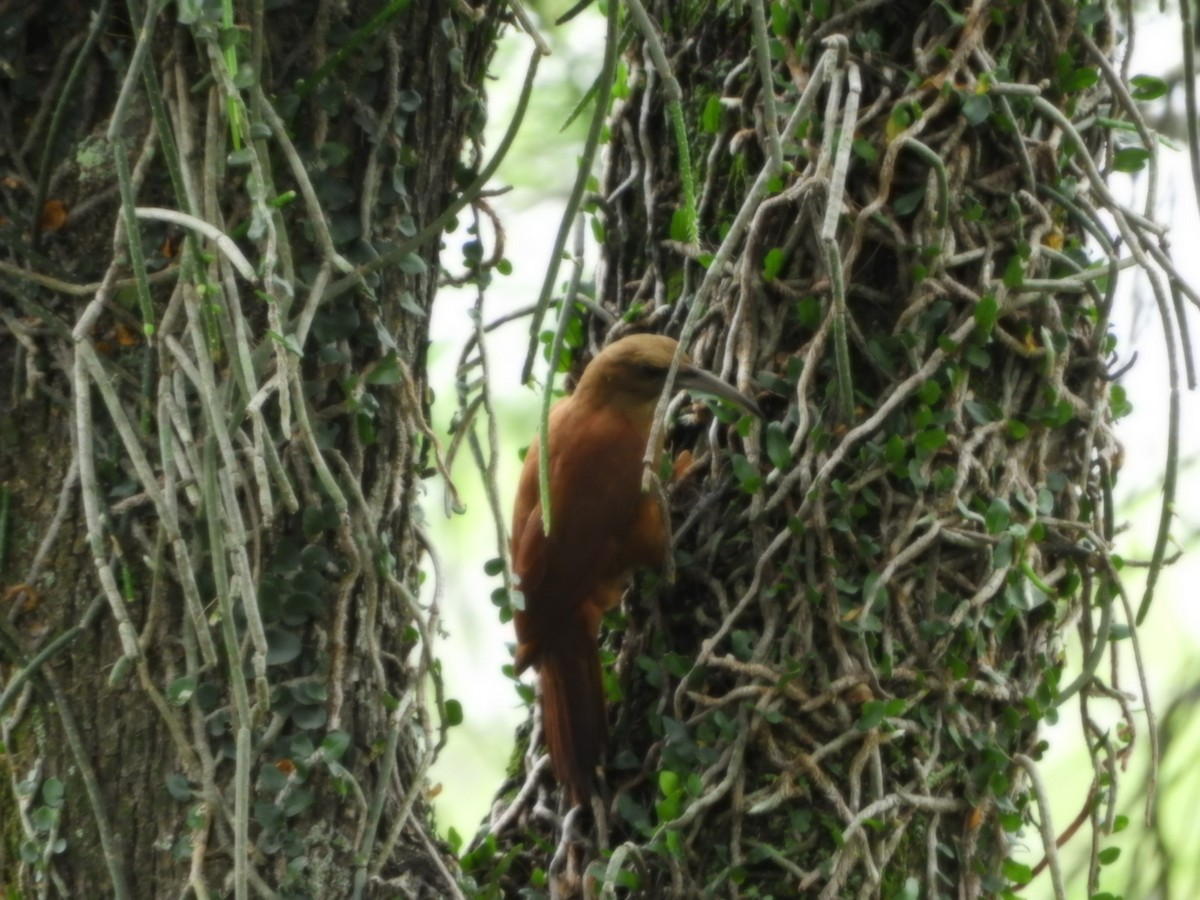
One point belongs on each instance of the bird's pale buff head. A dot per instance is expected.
(633, 370)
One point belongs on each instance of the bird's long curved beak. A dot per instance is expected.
(693, 379)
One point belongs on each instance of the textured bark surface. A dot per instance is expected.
(383, 131)
(840, 692)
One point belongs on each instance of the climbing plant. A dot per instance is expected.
(893, 222)
(220, 245)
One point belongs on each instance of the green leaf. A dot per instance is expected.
(998, 516)
(335, 745)
(746, 474)
(981, 413)
(334, 153)
(620, 88)
(1119, 631)
(668, 782)
(246, 78)
(741, 644)
(931, 440)
(1108, 855)
(865, 150)
(986, 311)
(627, 878)
(943, 479)
(239, 158)
(228, 39)
(297, 802)
(976, 108)
(1022, 594)
(1130, 159)
(310, 718)
(1080, 79)
(779, 450)
(667, 808)
(192, 11)
(779, 19)
(309, 693)
(1119, 401)
(178, 787)
(874, 712)
(317, 520)
(409, 101)
(52, 792)
(387, 372)
(272, 779)
(335, 322)
(1016, 872)
(289, 342)
(808, 312)
(1002, 553)
(366, 428)
(1014, 272)
(1017, 429)
(909, 201)
(1147, 87)
(1092, 14)
(900, 119)
(44, 818)
(411, 264)
(633, 812)
(472, 252)
(977, 357)
(208, 695)
(282, 646)
(772, 263)
(710, 119)
(955, 17)
(454, 713)
(180, 690)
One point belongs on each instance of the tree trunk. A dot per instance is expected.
(215, 674)
(840, 694)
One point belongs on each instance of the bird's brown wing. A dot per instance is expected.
(526, 499)
(602, 528)
(556, 632)
(529, 554)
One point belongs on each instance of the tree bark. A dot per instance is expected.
(215, 675)
(841, 692)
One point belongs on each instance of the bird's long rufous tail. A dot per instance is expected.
(573, 709)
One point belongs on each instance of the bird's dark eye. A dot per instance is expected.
(649, 370)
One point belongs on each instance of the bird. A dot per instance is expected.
(603, 528)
